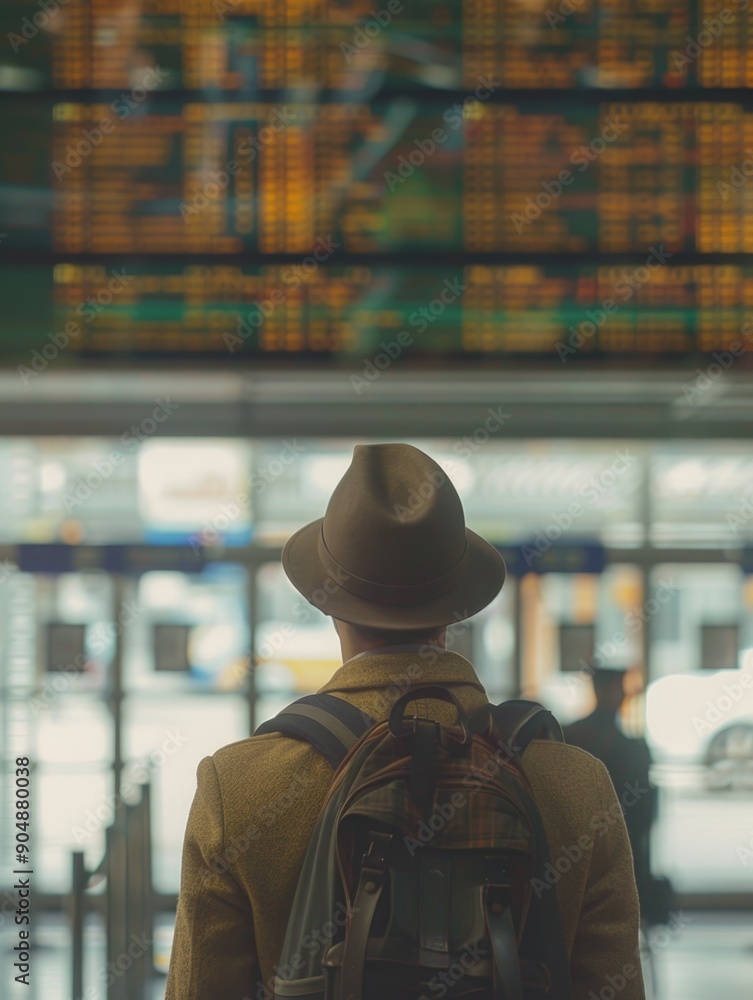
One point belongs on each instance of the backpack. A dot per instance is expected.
(418, 879)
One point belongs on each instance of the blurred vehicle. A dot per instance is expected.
(704, 719)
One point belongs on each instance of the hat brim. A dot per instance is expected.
(479, 586)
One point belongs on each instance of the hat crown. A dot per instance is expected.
(392, 551)
(395, 517)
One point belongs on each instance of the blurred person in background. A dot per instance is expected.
(628, 761)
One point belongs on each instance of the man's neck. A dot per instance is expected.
(408, 647)
(354, 642)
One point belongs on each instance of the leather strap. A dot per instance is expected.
(543, 938)
(508, 983)
(370, 886)
(398, 726)
(435, 903)
(423, 764)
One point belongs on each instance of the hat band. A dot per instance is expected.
(387, 593)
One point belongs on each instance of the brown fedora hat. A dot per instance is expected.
(392, 550)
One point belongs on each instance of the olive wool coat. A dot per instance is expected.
(257, 802)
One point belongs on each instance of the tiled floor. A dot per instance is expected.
(704, 957)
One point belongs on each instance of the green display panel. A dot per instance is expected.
(248, 180)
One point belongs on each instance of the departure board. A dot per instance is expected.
(238, 180)
(243, 45)
(402, 176)
(554, 313)
(218, 179)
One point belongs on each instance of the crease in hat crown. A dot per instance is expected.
(398, 497)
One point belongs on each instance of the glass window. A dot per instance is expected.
(510, 490)
(488, 641)
(195, 490)
(186, 631)
(297, 649)
(609, 612)
(702, 494)
(74, 805)
(513, 491)
(72, 729)
(125, 490)
(67, 604)
(292, 481)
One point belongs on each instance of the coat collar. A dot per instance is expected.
(405, 667)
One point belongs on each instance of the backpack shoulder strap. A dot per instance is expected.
(332, 726)
(517, 722)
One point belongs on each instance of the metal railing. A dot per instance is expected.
(126, 869)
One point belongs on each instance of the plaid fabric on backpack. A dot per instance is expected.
(417, 882)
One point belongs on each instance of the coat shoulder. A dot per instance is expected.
(566, 773)
(562, 753)
(261, 773)
(263, 758)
